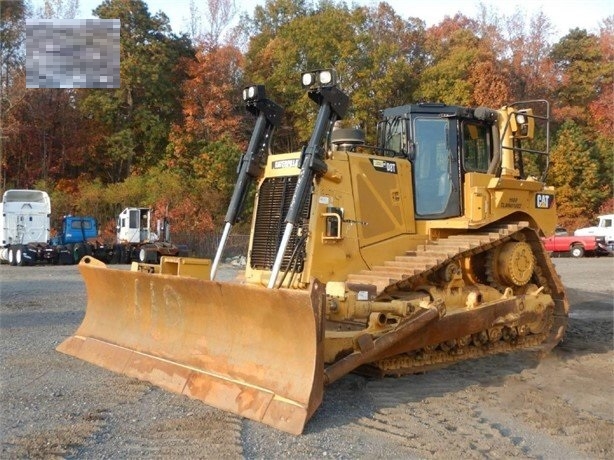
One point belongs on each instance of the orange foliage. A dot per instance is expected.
(211, 105)
(490, 87)
(607, 207)
(440, 34)
(68, 186)
(186, 216)
(602, 113)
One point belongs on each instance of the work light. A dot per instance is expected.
(523, 124)
(324, 77)
(253, 93)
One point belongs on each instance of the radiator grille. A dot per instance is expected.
(273, 202)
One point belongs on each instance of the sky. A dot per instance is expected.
(563, 14)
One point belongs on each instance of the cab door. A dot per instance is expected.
(436, 168)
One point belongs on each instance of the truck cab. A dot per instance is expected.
(134, 226)
(25, 217)
(604, 227)
(76, 229)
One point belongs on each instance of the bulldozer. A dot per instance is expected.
(417, 252)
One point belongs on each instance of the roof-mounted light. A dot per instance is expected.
(253, 93)
(319, 78)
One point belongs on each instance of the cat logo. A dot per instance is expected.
(543, 201)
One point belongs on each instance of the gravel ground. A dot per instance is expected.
(55, 406)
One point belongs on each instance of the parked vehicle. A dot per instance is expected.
(604, 227)
(25, 224)
(576, 246)
(137, 242)
(78, 237)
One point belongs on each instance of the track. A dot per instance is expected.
(475, 253)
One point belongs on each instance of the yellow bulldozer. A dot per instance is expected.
(417, 252)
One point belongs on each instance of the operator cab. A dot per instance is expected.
(428, 135)
(444, 143)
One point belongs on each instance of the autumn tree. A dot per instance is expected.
(581, 71)
(526, 53)
(48, 137)
(137, 116)
(205, 146)
(376, 53)
(585, 71)
(385, 67)
(575, 173)
(453, 50)
(602, 115)
(12, 80)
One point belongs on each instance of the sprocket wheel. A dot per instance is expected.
(511, 264)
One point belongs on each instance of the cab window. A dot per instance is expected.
(476, 147)
(81, 224)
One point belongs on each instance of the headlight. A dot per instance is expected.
(521, 119)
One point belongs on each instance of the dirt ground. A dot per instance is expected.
(55, 406)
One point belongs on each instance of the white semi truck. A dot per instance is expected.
(25, 219)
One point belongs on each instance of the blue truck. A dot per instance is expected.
(77, 238)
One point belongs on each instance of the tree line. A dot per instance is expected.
(171, 136)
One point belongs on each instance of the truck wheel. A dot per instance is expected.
(577, 251)
(79, 252)
(12, 256)
(115, 254)
(65, 255)
(19, 260)
(59, 259)
(124, 255)
(70, 256)
(30, 256)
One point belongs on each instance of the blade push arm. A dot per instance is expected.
(333, 105)
(268, 115)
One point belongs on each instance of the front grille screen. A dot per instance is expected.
(274, 200)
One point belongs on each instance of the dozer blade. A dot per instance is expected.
(244, 349)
